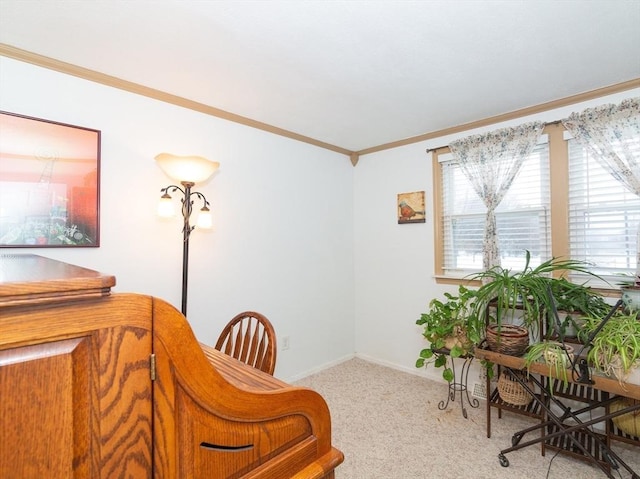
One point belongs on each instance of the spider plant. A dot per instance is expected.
(615, 350)
(574, 302)
(507, 290)
(556, 356)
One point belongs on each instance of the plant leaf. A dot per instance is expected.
(456, 352)
(440, 361)
(448, 374)
(426, 353)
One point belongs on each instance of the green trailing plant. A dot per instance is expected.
(507, 290)
(452, 328)
(556, 356)
(615, 349)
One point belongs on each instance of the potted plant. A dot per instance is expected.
(504, 291)
(558, 357)
(615, 350)
(574, 303)
(630, 292)
(631, 297)
(452, 327)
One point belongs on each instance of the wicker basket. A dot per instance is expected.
(628, 423)
(507, 339)
(552, 356)
(512, 392)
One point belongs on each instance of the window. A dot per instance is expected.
(523, 216)
(603, 216)
(562, 204)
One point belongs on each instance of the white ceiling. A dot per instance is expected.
(355, 74)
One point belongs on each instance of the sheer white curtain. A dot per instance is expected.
(491, 161)
(610, 133)
(605, 131)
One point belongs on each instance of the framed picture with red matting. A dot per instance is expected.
(49, 183)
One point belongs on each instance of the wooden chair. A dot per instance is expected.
(250, 338)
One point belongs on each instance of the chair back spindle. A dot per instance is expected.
(250, 337)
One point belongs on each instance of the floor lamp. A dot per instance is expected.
(188, 170)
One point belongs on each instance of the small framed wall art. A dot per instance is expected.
(49, 183)
(411, 208)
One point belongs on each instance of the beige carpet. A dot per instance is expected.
(389, 426)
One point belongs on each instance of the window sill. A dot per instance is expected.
(608, 291)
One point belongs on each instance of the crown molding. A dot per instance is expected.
(108, 80)
(550, 105)
(102, 78)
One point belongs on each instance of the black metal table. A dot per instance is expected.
(566, 423)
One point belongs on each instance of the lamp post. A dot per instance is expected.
(188, 170)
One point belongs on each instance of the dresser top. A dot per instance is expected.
(29, 278)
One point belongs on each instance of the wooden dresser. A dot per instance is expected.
(95, 384)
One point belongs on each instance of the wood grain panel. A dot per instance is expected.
(23, 325)
(231, 421)
(125, 402)
(45, 423)
(217, 448)
(36, 279)
(110, 378)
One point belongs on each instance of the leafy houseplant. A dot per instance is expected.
(452, 327)
(615, 350)
(528, 290)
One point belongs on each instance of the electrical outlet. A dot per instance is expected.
(285, 343)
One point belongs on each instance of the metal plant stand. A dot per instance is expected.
(459, 386)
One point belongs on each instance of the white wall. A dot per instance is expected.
(394, 263)
(283, 212)
(300, 234)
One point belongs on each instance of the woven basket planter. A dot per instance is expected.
(512, 392)
(628, 423)
(507, 339)
(552, 357)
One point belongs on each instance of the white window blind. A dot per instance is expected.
(523, 218)
(603, 216)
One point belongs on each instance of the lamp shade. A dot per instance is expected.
(165, 207)
(194, 169)
(204, 220)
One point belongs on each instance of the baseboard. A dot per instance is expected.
(320, 368)
(428, 373)
(422, 372)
